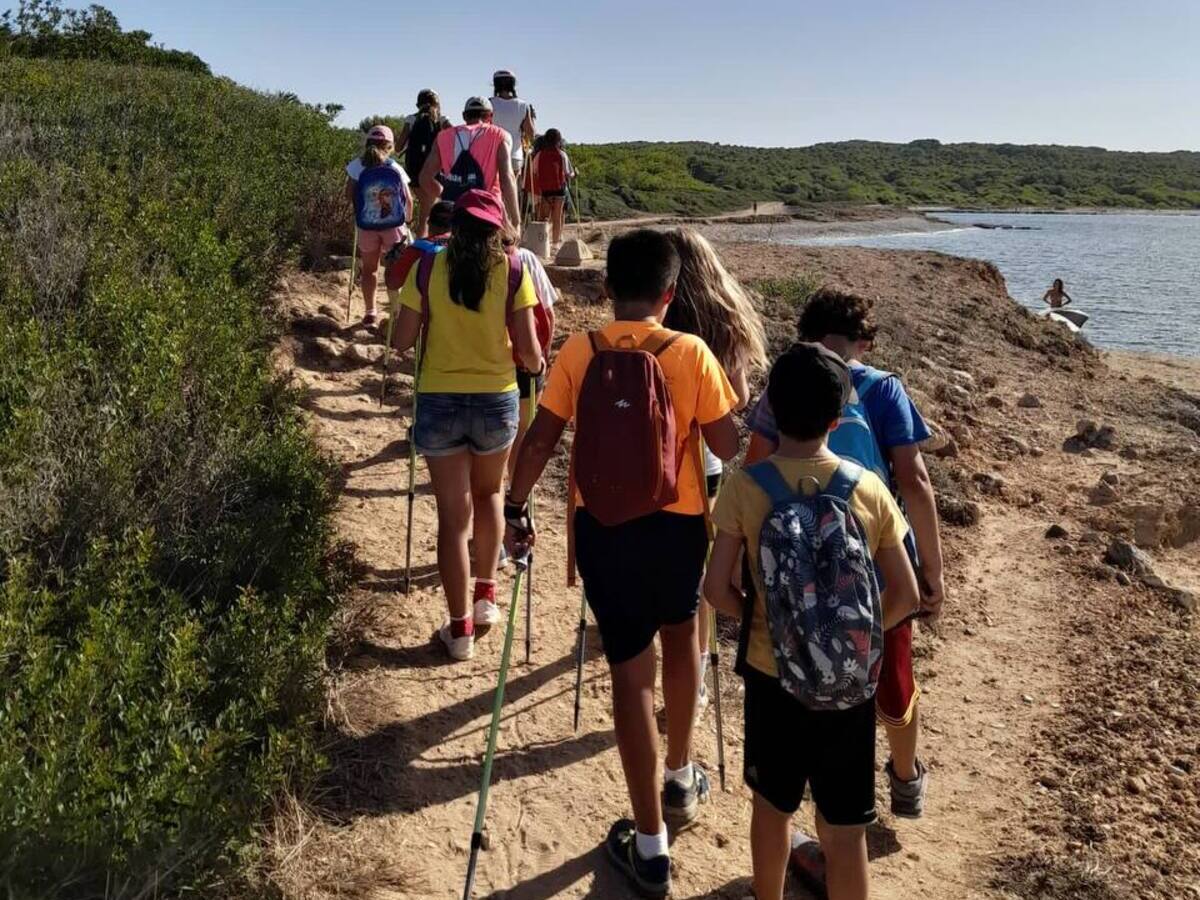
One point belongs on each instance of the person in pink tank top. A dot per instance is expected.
(475, 155)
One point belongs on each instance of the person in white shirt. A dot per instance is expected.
(514, 115)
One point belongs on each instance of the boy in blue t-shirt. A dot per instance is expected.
(841, 321)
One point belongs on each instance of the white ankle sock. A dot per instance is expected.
(652, 845)
(684, 776)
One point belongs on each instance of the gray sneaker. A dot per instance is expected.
(681, 805)
(908, 797)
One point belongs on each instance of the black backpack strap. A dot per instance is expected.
(655, 344)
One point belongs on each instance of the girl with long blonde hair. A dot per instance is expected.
(711, 304)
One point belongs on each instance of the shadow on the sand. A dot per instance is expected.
(391, 581)
(378, 773)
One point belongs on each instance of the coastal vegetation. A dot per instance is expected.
(700, 179)
(165, 577)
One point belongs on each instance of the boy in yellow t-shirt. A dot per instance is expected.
(642, 576)
(787, 744)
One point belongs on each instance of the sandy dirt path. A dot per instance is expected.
(397, 811)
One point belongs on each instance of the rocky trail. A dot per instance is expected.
(1061, 710)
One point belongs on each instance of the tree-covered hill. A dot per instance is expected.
(698, 178)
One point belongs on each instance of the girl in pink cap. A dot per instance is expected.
(373, 243)
(469, 298)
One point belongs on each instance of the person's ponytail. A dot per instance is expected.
(375, 154)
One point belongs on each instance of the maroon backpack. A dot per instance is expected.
(624, 458)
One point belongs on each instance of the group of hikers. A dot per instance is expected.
(443, 161)
(824, 543)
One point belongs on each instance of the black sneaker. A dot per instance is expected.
(908, 797)
(652, 877)
(681, 805)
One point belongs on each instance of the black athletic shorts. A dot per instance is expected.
(551, 195)
(523, 383)
(789, 745)
(640, 576)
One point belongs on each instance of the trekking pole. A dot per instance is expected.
(393, 308)
(412, 467)
(353, 269)
(493, 730)
(529, 578)
(714, 660)
(579, 652)
(714, 663)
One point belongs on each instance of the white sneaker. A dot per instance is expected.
(459, 648)
(702, 698)
(486, 612)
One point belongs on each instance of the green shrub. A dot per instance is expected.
(164, 517)
(699, 179)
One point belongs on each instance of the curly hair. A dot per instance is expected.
(836, 310)
(713, 305)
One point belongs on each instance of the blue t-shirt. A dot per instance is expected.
(894, 418)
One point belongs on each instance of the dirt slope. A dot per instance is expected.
(1061, 706)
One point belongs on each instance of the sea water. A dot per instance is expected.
(1137, 275)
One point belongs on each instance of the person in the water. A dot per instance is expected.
(1057, 296)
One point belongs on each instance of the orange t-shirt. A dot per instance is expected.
(700, 393)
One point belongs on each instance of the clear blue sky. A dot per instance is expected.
(1124, 75)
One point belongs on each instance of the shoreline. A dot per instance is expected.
(1058, 211)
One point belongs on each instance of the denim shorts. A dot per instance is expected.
(482, 424)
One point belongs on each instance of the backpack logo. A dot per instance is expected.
(623, 404)
(821, 593)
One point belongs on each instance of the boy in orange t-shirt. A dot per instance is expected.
(642, 577)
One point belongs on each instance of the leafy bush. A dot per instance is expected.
(43, 29)
(164, 517)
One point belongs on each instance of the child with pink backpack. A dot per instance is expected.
(641, 396)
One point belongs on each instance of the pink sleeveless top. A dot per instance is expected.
(483, 140)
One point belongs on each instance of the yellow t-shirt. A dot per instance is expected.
(700, 392)
(467, 351)
(743, 505)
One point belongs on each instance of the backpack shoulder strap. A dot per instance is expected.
(598, 341)
(655, 344)
(844, 480)
(424, 272)
(771, 481)
(516, 273)
(870, 380)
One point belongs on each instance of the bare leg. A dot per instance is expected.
(370, 279)
(637, 737)
(845, 848)
(770, 843)
(557, 208)
(903, 741)
(681, 682)
(451, 478)
(487, 480)
(522, 427)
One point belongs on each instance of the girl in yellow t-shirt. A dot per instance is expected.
(467, 405)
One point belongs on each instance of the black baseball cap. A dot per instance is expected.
(807, 389)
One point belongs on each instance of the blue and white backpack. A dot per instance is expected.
(821, 593)
(379, 198)
(853, 437)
